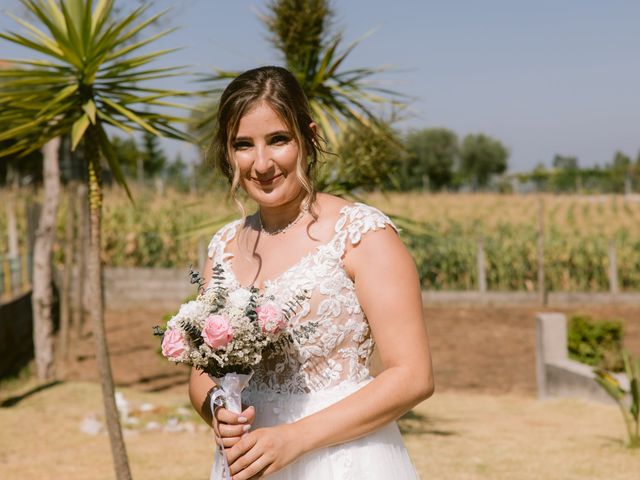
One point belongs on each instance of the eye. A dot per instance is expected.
(241, 145)
(280, 139)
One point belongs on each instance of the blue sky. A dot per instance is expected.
(544, 77)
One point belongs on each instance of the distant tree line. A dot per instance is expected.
(432, 159)
(620, 175)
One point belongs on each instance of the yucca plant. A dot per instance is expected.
(300, 31)
(628, 401)
(92, 75)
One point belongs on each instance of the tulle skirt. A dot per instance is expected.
(380, 455)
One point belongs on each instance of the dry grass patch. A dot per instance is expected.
(475, 436)
(454, 435)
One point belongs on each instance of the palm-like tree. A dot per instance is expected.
(301, 30)
(93, 75)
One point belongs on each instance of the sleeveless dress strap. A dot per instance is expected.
(356, 220)
(220, 239)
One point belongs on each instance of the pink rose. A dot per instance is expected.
(217, 331)
(173, 344)
(270, 318)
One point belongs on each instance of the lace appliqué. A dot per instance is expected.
(329, 341)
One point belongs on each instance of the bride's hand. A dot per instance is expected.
(230, 427)
(264, 451)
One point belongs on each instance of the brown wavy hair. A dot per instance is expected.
(279, 88)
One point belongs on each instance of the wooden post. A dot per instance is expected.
(12, 229)
(613, 268)
(482, 275)
(542, 292)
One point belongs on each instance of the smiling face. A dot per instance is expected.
(266, 153)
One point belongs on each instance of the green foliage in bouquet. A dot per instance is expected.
(628, 401)
(596, 342)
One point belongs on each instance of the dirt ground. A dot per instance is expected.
(484, 421)
(483, 349)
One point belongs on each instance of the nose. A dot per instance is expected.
(262, 163)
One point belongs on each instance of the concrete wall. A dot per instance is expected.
(135, 287)
(129, 287)
(557, 375)
(527, 298)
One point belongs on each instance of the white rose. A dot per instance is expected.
(239, 298)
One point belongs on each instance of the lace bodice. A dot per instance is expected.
(329, 341)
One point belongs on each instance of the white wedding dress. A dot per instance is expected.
(325, 357)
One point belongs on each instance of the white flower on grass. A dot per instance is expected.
(192, 312)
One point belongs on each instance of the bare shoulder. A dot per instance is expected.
(330, 205)
(327, 208)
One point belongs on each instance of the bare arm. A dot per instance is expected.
(388, 289)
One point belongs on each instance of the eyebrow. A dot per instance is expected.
(269, 135)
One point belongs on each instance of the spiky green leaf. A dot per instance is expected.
(78, 129)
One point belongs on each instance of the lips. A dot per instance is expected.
(267, 181)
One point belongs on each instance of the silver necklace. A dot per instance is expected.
(283, 229)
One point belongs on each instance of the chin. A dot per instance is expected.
(273, 198)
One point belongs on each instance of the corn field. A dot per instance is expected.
(170, 230)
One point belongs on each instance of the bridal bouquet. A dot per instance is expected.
(224, 332)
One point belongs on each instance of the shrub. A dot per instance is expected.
(596, 342)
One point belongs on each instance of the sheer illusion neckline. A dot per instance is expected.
(266, 283)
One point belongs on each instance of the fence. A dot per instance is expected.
(15, 275)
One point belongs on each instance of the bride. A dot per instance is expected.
(314, 411)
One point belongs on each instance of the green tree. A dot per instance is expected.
(566, 173)
(154, 159)
(620, 172)
(366, 158)
(176, 173)
(90, 78)
(126, 151)
(481, 157)
(540, 177)
(302, 31)
(431, 160)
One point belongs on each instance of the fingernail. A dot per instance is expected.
(246, 428)
(242, 419)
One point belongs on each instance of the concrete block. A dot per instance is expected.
(557, 375)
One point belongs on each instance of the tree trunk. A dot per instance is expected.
(81, 249)
(118, 450)
(42, 295)
(65, 287)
